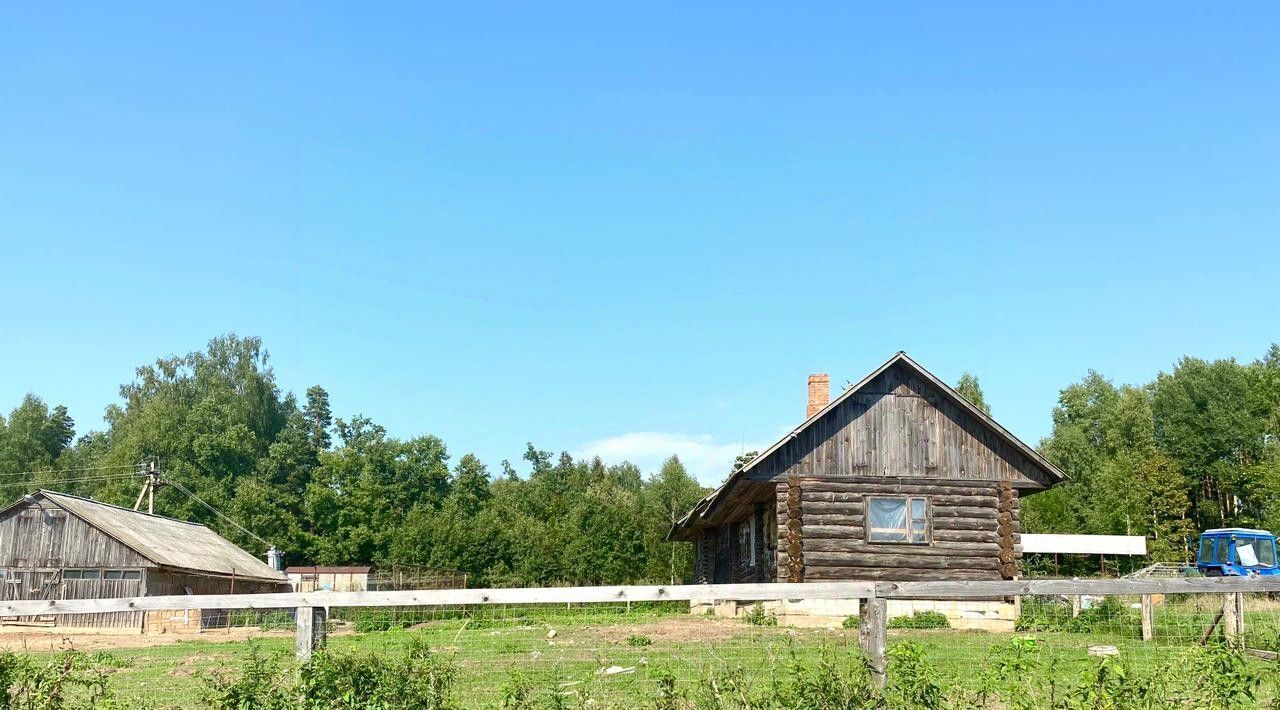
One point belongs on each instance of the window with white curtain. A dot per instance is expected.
(898, 519)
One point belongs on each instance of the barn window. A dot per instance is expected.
(89, 574)
(131, 575)
(898, 519)
(71, 574)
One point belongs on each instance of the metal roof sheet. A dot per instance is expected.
(166, 541)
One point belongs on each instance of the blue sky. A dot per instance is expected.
(635, 231)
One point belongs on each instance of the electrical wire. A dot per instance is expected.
(68, 470)
(83, 479)
(215, 511)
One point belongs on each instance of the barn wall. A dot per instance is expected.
(975, 531)
(39, 540)
(900, 425)
(32, 537)
(164, 582)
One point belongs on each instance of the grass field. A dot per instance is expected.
(612, 657)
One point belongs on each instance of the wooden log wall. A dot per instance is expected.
(704, 557)
(795, 532)
(974, 526)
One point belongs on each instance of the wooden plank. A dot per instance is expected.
(943, 589)
(441, 597)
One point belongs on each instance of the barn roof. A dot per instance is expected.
(165, 541)
(708, 504)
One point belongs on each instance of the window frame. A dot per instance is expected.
(907, 501)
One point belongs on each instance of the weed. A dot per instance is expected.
(920, 620)
(757, 616)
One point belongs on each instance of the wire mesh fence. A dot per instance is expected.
(1201, 650)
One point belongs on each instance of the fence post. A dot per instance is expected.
(311, 631)
(1232, 624)
(1075, 605)
(1148, 618)
(873, 633)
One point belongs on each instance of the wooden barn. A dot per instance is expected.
(898, 478)
(60, 546)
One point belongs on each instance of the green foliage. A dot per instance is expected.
(416, 679)
(850, 622)
(969, 388)
(920, 620)
(757, 616)
(260, 683)
(639, 640)
(1109, 615)
(913, 682)
(68, 680)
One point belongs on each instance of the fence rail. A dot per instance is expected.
(311, 609)
(650, 593)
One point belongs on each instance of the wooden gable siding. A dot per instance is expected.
(33, 537)
(899, 425)
(975, 531)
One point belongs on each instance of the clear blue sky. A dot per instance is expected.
(635, 231)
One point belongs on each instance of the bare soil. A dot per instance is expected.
(42, 640)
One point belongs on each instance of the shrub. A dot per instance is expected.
(367, 620)
(920, 620)
(639, 640)
(757, 616)
(356, 681)
(913, 683)
(850, 622)
(259, 684)
(68, 680)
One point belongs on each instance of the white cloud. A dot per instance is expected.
(704, 458)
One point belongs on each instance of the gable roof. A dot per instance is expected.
(165, 541)
(709, 503)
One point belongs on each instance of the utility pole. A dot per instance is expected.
(149, 487)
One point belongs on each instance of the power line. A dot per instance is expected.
(83, 479)
(67, 470)
(216, 512)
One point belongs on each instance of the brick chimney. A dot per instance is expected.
(819, 393)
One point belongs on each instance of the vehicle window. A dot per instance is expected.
(1255, 552)
(1223, 553)
(1206, 549)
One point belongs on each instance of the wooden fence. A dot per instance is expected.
(312, 607)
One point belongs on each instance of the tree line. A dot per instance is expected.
(1197, 447)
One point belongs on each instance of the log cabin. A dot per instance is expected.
(899, 478)
(60, 546)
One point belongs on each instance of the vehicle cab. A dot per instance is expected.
(1237, 552)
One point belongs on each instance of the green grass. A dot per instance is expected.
(493, 647)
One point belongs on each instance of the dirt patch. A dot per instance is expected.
(52, 640)
(674, 629)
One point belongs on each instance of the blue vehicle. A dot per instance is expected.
(1237, 552)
